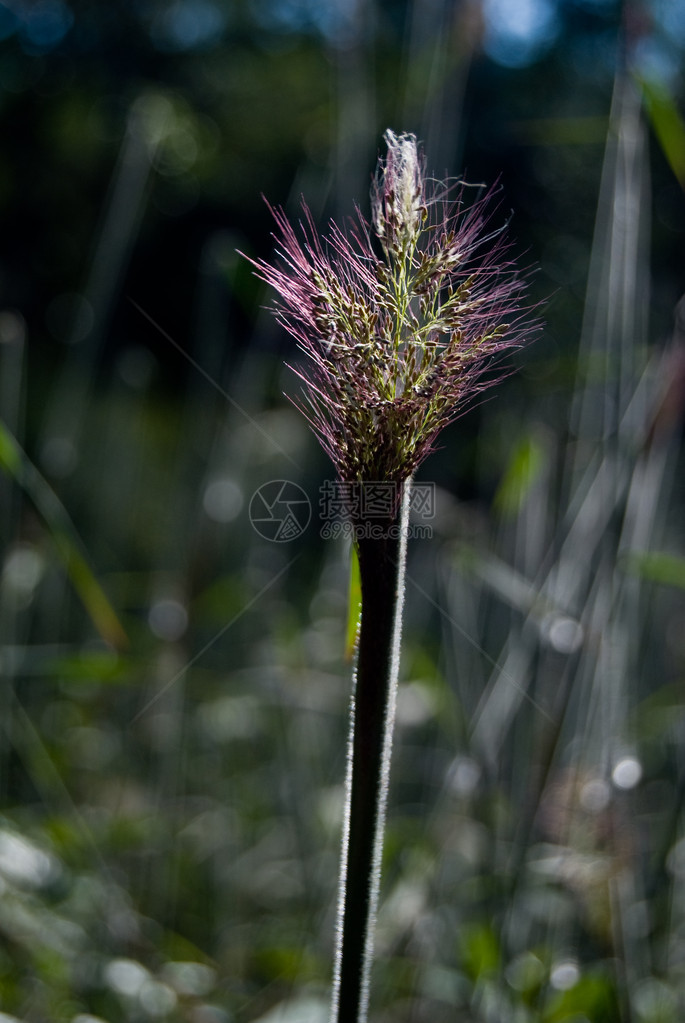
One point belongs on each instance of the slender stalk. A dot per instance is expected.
(397, 345)
(372, 714)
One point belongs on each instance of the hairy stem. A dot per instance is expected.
(372, 713)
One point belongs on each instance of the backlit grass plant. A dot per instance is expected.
(400, 317)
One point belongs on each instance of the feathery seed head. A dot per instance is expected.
(398, 339)
(397, 206)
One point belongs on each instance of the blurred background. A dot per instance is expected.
(174, 684)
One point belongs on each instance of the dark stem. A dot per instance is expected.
(381, 555)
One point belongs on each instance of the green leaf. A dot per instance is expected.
(668, 569)
(15, 464)
(90, 666)
(524, 468)
(10, 453)
(354, 605)
(668, 126)
(592, 997)
(480, 952)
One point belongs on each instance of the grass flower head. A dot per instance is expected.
(400, 316)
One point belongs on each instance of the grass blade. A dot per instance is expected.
(15, 464)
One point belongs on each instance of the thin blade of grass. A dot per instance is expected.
(354, 605)
(15, 464)
(668, 125)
